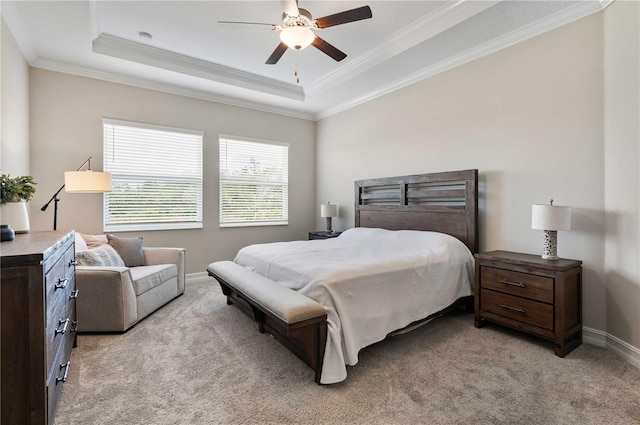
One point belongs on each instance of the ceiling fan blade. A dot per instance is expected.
(329, 49)
(234, 24)
(277, 54)
(290, 7)
(347, 16)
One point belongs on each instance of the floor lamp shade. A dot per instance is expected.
(87, 181)
(550, 218)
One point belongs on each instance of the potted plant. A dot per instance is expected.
(15, 192)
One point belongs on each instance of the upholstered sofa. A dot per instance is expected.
(112, 296)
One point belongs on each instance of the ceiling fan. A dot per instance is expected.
(296, 30)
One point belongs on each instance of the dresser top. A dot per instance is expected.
(32, 247)
(562, 264)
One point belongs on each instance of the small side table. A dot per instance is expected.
(323, 235)
(536, 296)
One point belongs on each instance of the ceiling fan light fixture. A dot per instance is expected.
(297, 38)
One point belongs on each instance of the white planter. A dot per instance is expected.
(15, 215)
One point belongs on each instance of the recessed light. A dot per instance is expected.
(145, 35)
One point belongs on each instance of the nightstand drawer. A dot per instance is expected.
(531, 286)
(516, 308)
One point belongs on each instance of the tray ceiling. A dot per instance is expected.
(190, 54)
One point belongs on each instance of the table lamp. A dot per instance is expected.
(550, 218)
(327, 211)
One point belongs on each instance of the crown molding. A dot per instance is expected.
(167, 88)
(12, 19)
(566, 16)
(149, 55)
(441, 19)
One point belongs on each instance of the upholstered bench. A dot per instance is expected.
(297, 321)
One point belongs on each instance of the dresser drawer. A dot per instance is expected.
(521, 309)
(61, 326)
(57, 375)
(539, 288)
(60, 280)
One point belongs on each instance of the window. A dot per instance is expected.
(254, 182)
(157, 177)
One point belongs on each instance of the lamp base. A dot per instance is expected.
(329, 230)
(550, 251)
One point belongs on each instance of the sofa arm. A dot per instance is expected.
(154, 256)
(106, 300)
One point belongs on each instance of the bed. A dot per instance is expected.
(408, 259)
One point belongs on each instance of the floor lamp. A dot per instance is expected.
(87, 181)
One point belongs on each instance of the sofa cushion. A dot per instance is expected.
(129, 249)
(148, 277)
(104, 255)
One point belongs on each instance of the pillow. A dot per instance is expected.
(104, 256)
(129, 249)
(81, 245)
(94, 241)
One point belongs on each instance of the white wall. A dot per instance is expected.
(529, 118)
(66, 128)
(622, 160)
(14, 104)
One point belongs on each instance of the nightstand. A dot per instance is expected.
(536, 296)
(323, 235)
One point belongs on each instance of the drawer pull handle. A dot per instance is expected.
(64, 327)
(75, 326)
(74, 294)
(518, 284)
(62, 283)
(508, 307)
(73, 262)
(64, 366)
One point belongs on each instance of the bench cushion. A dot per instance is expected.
(285, 303)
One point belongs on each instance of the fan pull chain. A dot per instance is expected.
(295, 72)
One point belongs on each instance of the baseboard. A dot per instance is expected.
(198, 275)
(614, 344)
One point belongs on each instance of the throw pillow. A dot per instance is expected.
(103, 256)
(81, 245)
(129, 249)
(94, 241)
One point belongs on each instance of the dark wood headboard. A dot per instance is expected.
(441, 202)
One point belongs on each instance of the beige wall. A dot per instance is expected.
(529, 118)
(66, 128)
(622, 160)
(14, 120)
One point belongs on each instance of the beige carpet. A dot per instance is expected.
(199, 361)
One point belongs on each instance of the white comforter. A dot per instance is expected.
(371, 281)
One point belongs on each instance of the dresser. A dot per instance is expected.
(530, 294)
(38, 324)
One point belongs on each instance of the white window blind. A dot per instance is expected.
(254, 182)
(156, 177)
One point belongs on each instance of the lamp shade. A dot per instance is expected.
(550, 217)
(328, 210)
(87, 181)
(297, 37)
